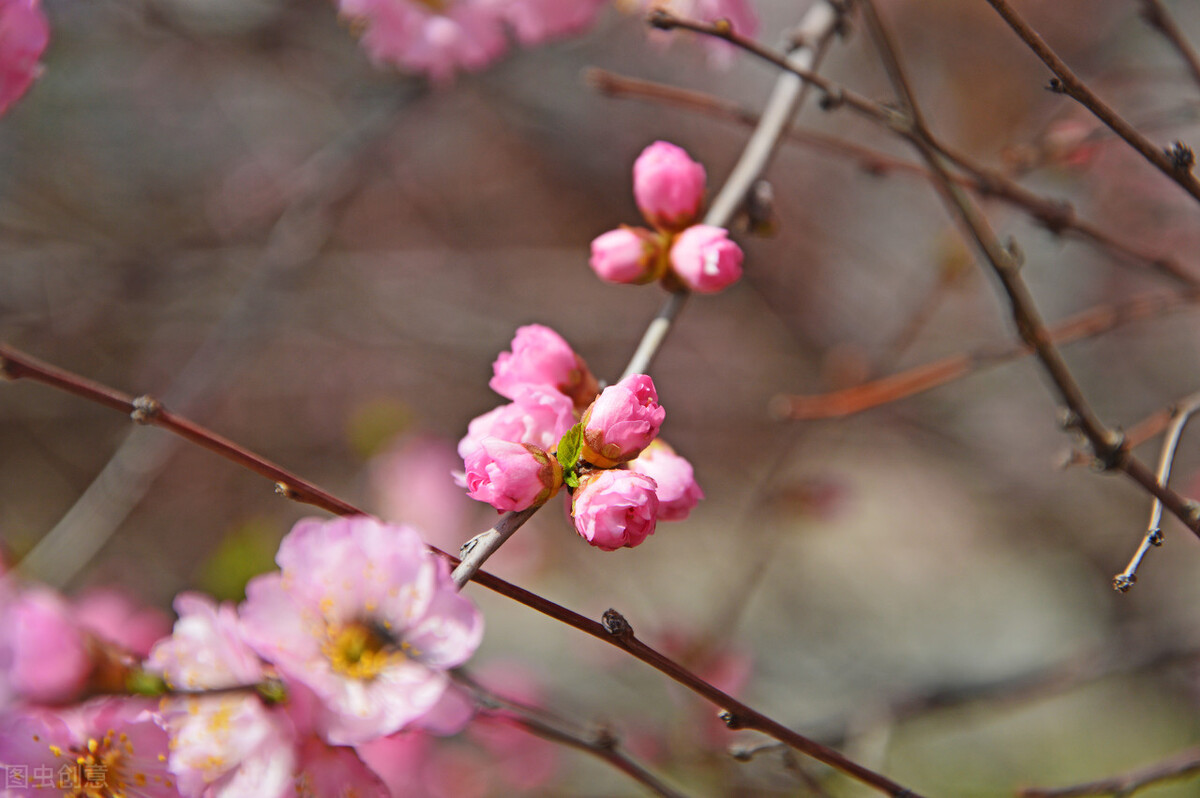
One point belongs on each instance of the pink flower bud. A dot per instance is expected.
(628, 255)
(615, 508)
(677, 491)
(540, 357)
(539, 416)
(621, 422)
(668, 186)
(705, 260)
(23, 36)
(512, 476)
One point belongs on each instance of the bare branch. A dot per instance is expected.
(1185, 763)
(1157, 16)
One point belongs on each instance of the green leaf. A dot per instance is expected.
(568, 450)
(571, 479)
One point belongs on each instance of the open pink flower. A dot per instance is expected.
(705, 259)
(512, 476)
(24, 33)
(541, 358)
(222, 746)
(615, 508)
(668, 186)
(677, 490)
(627, 255)
(622, 421)
(110, 747)
(367, 618)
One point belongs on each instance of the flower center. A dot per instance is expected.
(103, 768)
(360, 650)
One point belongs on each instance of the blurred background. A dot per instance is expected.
(224, 205)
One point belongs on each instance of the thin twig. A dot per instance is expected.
(1156, 15)
(615, 631)
(1057, 216)
(1175, 164)
(1185, 763)
(1108, 447)
(1154, 536)
(894, 387)
(811, 35)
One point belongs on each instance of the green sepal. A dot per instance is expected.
(571, 479)
(140, 682)
(569, 448)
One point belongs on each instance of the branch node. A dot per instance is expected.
(606, 739)
(1122, 582)
(1015, 254)
(285, 490)
(468, 547)
(662, 19)
(831, 100)
(1155, 537)
(616, 625)
(1193, 511)
(145, 409)
(1181, 156)
(1057, 86)
(1068, 420)
(1111, 454)
(731, 719)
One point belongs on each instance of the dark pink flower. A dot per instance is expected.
(541, 358)
(705, 260)
(615, 508)
(627, 255)
(668, 186)
(364, 616)
(622, 421)
(512, 476)
(677, 490)
(24, 33)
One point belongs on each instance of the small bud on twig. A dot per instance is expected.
(145, 409)
(1181, 156)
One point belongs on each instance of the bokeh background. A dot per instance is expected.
(223, 204)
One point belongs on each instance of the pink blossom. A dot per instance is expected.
(539, 417)
(436, 39)
(109, 747)
(622, 421)
(615, 508)
(537, 21)
(677, 490)
(627, 255)
(112, 614)
(367, 618)
(668, 186)
(333, 772)
(24, 33)
(541, 358)
(705, 259)
(512, 476)
(44, 654)
(222, 746)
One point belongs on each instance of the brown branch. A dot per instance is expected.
(1185, 763)
(1175, 163)
(615, 631)
(1156, 15)
(1086, 324)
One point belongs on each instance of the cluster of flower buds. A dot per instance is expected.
(561, 430)
(347, 644)
(669, 188)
